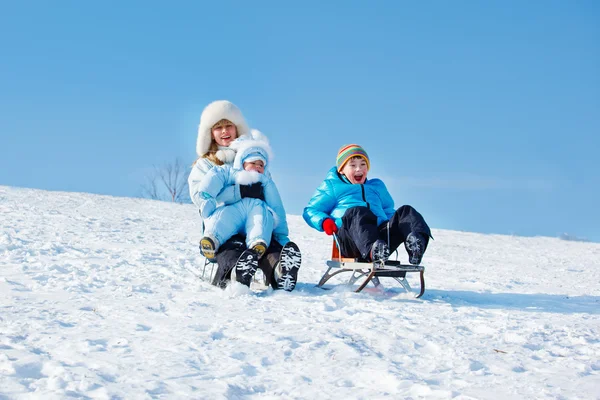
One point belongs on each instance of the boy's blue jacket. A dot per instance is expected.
(336, 194)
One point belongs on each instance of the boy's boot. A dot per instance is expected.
(415, 246)
(208, 248)
(380, 251)
(246, 266)
(286, 272)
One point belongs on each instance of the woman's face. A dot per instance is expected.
(224, 134)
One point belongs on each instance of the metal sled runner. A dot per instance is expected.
(371, 271)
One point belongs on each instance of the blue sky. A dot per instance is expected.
(485, 116)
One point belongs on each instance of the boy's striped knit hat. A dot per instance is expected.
(347, 152)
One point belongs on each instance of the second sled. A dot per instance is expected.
(365, 272)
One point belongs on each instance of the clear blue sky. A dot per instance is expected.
(484, 115)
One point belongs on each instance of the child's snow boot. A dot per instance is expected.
(380, 251)
(246, 266)
(208, 248)
(259, 247)
(286, 272)
(415, 246)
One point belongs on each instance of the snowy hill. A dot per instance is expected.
(99, 298)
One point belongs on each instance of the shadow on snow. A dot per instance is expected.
(538, 302)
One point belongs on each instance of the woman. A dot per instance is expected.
(221, 123)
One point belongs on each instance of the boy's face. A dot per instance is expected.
(256, 165)
(356, 170)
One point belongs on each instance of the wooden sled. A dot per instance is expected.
(371, 271)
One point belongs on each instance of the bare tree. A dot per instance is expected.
(149, 188)
(167, 182)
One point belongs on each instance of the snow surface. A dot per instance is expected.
(100, 298)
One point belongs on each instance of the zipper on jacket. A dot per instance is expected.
(362, 187)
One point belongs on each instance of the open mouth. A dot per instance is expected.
(226, 137)
(358, 177)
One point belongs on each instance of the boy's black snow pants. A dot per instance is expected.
(359, 230)
(231, 250)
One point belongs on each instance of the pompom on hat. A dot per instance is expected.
(347, 152)
(214, 114)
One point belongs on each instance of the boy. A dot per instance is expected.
(362, 212)
(257, 219)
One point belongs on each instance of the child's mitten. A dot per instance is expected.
(329, 226)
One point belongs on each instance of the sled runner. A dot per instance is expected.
(212, 268)
(372, 271)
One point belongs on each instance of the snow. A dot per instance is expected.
(100, 298)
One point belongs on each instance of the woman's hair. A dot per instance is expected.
(211, 154)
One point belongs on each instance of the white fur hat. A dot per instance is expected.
(213, 113)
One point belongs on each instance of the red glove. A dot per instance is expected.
(329, 226)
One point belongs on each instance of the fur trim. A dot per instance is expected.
(225, 154)
(255, 134)
(244, 177)
(257, 142)
(213, 113)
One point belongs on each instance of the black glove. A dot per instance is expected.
(254, 190)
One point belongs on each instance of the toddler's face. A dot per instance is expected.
(256, 165)
(356, 170)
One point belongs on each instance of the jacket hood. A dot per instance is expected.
(253, 147)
